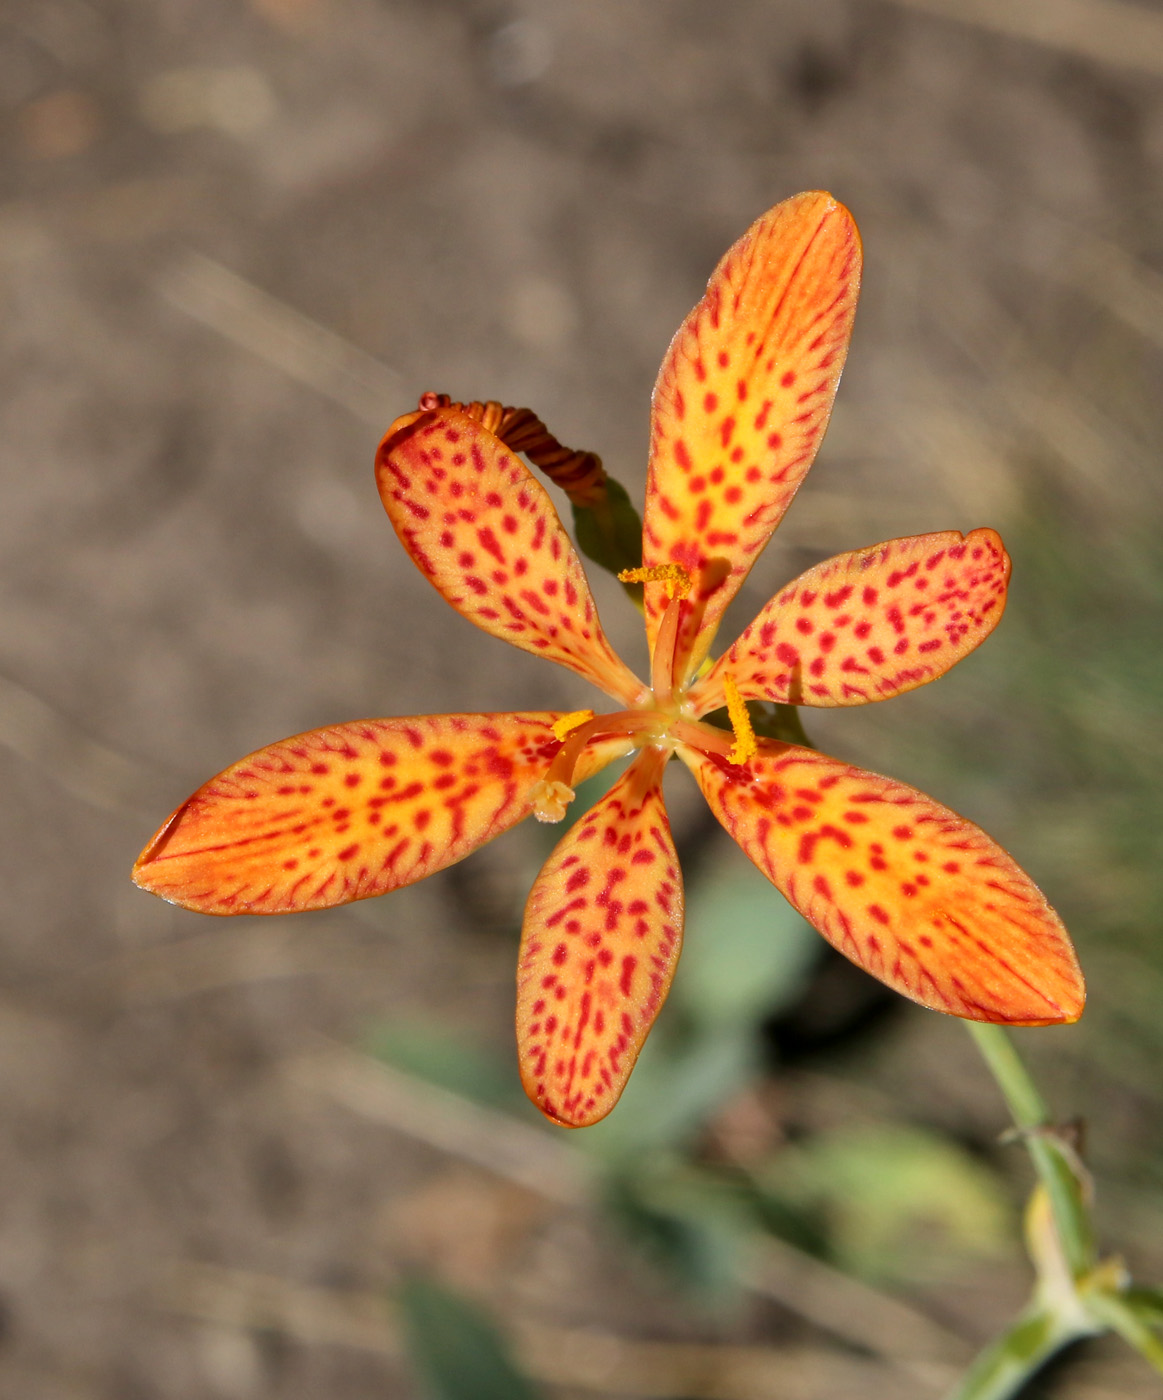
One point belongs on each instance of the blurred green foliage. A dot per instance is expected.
(896, 1203)
(881, 1202)
(456, 1351)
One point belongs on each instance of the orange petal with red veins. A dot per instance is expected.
(743, 398)
(485, 534)
(351, 811)
(902, 886)
(867, 625)
(603, 927)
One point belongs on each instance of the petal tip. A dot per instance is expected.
(1072, 1005)
(1064, 1006)
(143, 873)
(563, 1118)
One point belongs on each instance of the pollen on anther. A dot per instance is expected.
(745, 747)
(567, 723)
(676, 579)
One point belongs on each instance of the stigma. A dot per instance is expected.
(550, 799)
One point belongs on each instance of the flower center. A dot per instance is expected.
(660, 721)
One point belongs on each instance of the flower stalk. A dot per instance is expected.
(1055, 1159)
(1075, 1294)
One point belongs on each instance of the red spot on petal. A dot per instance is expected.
(629, 963)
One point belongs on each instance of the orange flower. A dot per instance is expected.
(907, 889)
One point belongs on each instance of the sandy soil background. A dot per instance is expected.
(236, 239)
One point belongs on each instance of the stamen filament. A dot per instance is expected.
(704, 737)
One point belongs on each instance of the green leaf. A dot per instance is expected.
(1147, 1302)
(455, 1349)
(1135, 1324)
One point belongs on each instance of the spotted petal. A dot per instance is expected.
(743, 398)
(601, 939)
(351, 811)
(485, 534)
(867, 625)
(907, 889)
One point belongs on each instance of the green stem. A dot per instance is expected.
(1004, 1367)
(1051, 1161)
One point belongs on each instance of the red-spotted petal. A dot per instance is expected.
(743, 398)
(907, 889)
(867, 625)
(601, 939)
(485, 534)
(351, 811)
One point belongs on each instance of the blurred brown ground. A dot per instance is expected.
(236, 239)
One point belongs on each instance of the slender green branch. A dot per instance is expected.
(1026, 1104)
(1052, 1159)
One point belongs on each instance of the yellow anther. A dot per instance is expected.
(674, 576)
(745, 746)
(568, 723)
